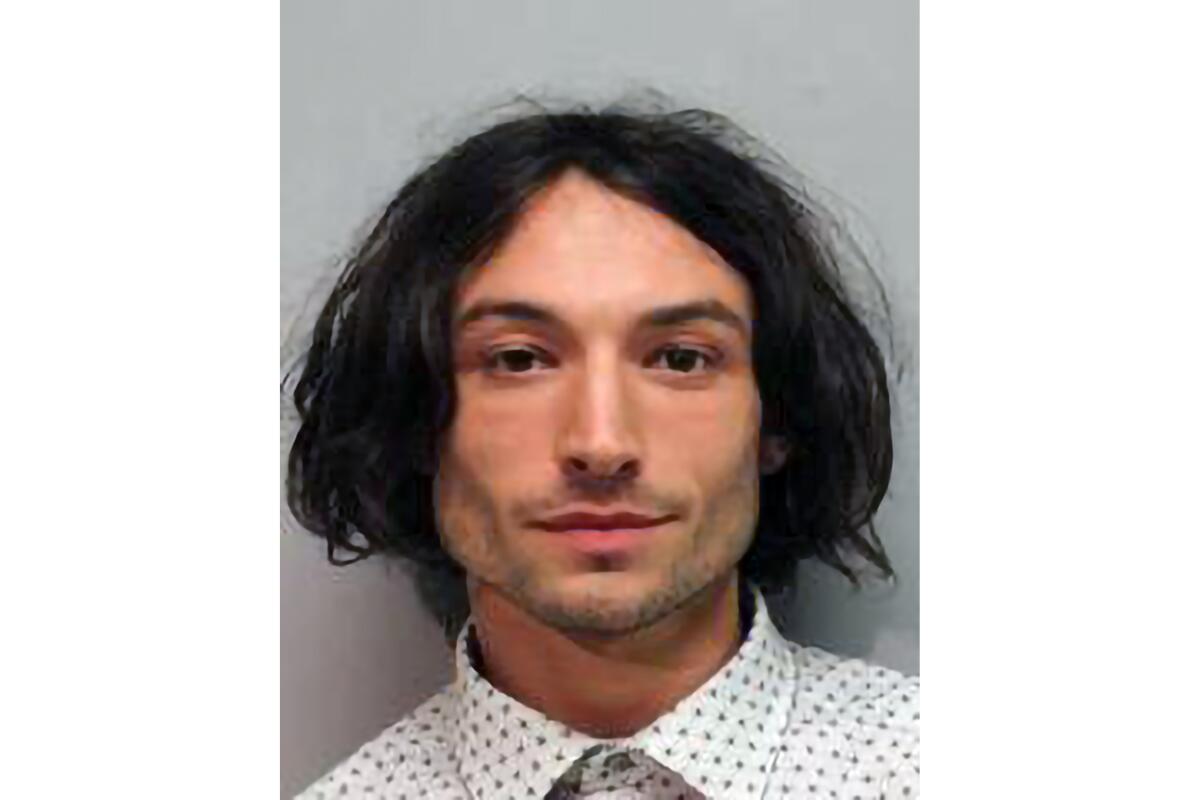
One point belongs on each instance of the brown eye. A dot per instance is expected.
(683, 359)
(514, 359)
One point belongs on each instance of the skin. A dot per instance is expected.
(592, 404)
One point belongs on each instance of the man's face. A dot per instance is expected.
(603, 464)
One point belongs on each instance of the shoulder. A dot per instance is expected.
(872, 710)
(874, 692)
(413, 751)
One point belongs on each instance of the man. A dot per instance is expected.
(594, 373)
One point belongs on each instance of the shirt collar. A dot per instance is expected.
(722, 739)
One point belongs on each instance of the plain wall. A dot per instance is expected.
(369, 89)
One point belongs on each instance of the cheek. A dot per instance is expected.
(713, 444)
(491, 450)
(468, 504)
(711, 436)
(500, 436)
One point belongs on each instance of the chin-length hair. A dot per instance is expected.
(376, 390)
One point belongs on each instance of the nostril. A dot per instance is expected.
(582, 468)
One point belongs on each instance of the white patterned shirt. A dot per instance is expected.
(776, 721)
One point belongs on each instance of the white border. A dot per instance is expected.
(140, 585)
(140, 575)
(1059, 407)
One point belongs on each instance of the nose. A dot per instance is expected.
(599, 442)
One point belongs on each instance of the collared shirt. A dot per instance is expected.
(776, 721)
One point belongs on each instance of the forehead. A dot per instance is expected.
(593, 254)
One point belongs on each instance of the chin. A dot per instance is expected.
(607, 602)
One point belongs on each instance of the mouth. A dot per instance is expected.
(584, 522)
(611, 536)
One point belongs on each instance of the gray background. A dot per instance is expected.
(369, 89)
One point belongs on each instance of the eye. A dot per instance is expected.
(687, 360)
(515, 359)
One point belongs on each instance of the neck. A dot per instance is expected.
(606, 686)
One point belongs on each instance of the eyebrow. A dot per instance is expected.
(662, 317)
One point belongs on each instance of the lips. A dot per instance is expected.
(582, 521)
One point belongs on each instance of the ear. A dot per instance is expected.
(773, 453)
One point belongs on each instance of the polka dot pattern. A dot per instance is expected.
(778, 721)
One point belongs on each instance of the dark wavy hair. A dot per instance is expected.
(376, 391)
